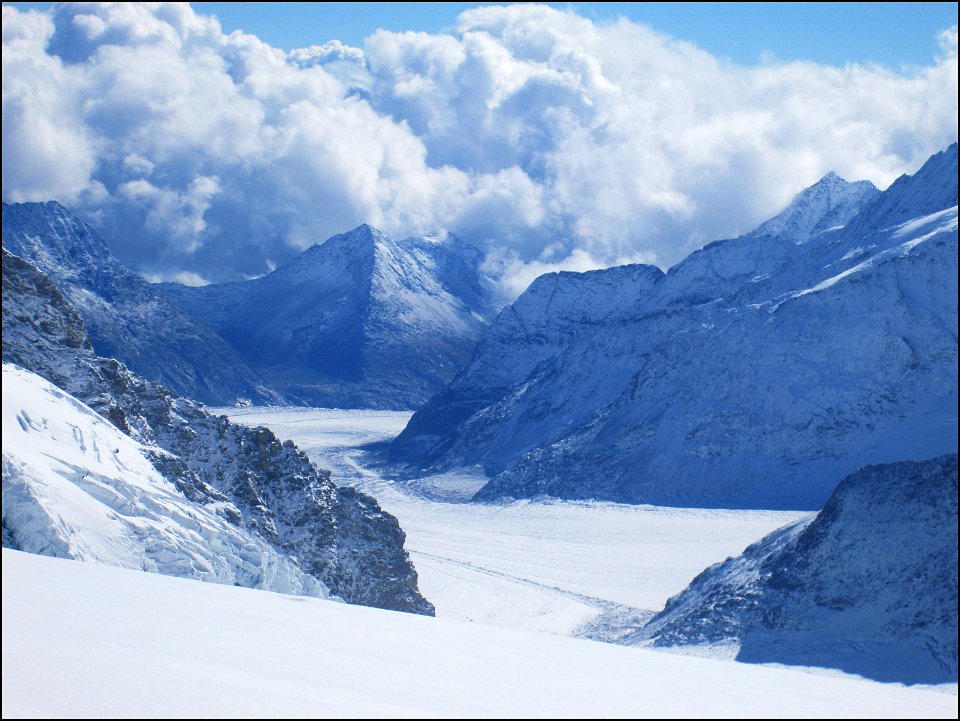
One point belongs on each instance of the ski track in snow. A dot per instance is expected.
(589, 569)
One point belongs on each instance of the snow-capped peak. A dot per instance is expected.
(346, 321)
(828, 203)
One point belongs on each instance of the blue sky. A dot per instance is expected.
(895, 34)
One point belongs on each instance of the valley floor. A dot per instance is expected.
(587, 569)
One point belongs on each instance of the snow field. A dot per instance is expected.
(122, 644)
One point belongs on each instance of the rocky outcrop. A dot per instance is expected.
(266, 487)
(868, 586)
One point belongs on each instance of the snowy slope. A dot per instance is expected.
(932, 188)
(175, 648)
(268, 488)
(757, 373)
(868, 586)
(357, 321)
(76, 487)
(830, 203)
(125, 316)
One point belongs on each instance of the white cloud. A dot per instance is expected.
(547, 139)
(184, 277)
(177, 215)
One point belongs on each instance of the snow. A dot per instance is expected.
(756, 373)
(347, 321)
(76, 487)
(935, 225)
(123, 644)
(823, 207)
(584, 568)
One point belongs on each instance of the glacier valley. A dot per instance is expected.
(750, 457)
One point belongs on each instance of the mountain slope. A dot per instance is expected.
(74, 486)
(358, 321)
(869, 586)
(265, 487)
(126, 317)
(758, 372)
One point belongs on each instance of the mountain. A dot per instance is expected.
(758, 372)
(868, 586)
(126, 317)
(357, 321)
(932, 188)
(74, 486)
(247, 477)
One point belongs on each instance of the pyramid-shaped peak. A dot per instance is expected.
(832, 181)
(362, 239)
(364, 231)
(352, 254)
(828, 203)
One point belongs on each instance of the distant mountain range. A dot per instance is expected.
(758, 372)
(357, 321)
(126, 316)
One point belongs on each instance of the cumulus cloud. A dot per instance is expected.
(550, 141)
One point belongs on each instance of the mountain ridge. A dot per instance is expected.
(125, 315)
(796, 357)
(264, 487)
(868, 585)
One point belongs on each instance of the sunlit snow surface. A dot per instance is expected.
(81, 639)
(580, 568)
(76, 487)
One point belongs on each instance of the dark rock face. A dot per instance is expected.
(360, 320)
(267, 487)
(868, 586)
(126, 317)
